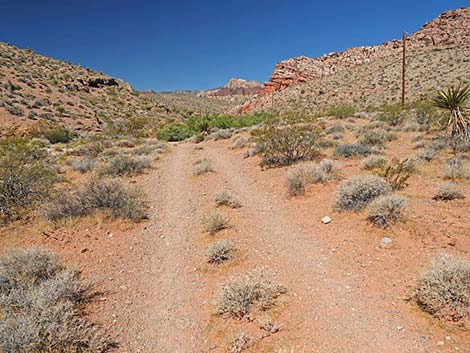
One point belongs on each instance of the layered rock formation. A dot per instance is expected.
(236, 87)
(450, 28)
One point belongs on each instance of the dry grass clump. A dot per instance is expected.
(373, 162)
(455, 168)
(376, 137)
(448, 191)
(226, 198)
(444, 290)
(222, 134)
(240, 342)
(108, 195)
(237, 296)
(214, 222)
(298, 176)
(385, 210)
(220, 251)
(143, 150)
(42, 306)
(357, 191)
(202, 166)
(351, 150)
(83, 164)
(240, 142)
(120, 165)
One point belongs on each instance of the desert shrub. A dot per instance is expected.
(238, 295)
(455, 168)
(428, 154)
(220, 251)
(58, 134)
(108, 195)
(42, 306)
(444, 290)
(392, 114)
(240, 342)
(328, 165)
(448, 191)
(83, 164)
(26, 176)
(385, 210)
(397, 172)
(373, 162)
(174, 132)
(123, 165)
(357, 191)
(226, 198)
(287, 141)
(214, 222)
(351, 150)
(143, 150)
(335, 129)
(341, 111)
(221, 135)
(298, 176)
(240, 142)
(376, 137)
(202, 166)
(296, 180)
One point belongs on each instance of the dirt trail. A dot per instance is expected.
(334, 305)
(171, 314)
(334, 311)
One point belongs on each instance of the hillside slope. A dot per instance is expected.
(437, 54)
(37, 89)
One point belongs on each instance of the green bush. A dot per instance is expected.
(58, 134)
(26, 176)
(287, 141)
(396, 172)
(174, 132)
(341, 111)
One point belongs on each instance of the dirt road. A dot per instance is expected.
(344, 294)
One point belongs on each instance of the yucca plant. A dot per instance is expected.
(454, 99)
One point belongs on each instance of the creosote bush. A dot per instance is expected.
(214, 222)
(58, 134)
(108, 195)
(444, 290)
(385, 210)
(26, 176)
(237, 296)
(448, 191)
(42, 306)
(202, 166)
(220, 251)
(285, 141)
(357, 191)
(226, 198)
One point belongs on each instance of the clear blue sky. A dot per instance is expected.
(183, 44)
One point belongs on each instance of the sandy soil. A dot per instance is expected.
(345, 292)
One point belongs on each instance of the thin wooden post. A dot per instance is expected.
(403, 73)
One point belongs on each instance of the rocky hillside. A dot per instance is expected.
(449, 31)
(37, 89)
(238, 87)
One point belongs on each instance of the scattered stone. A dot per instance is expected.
(326, 220)
(386, 242)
